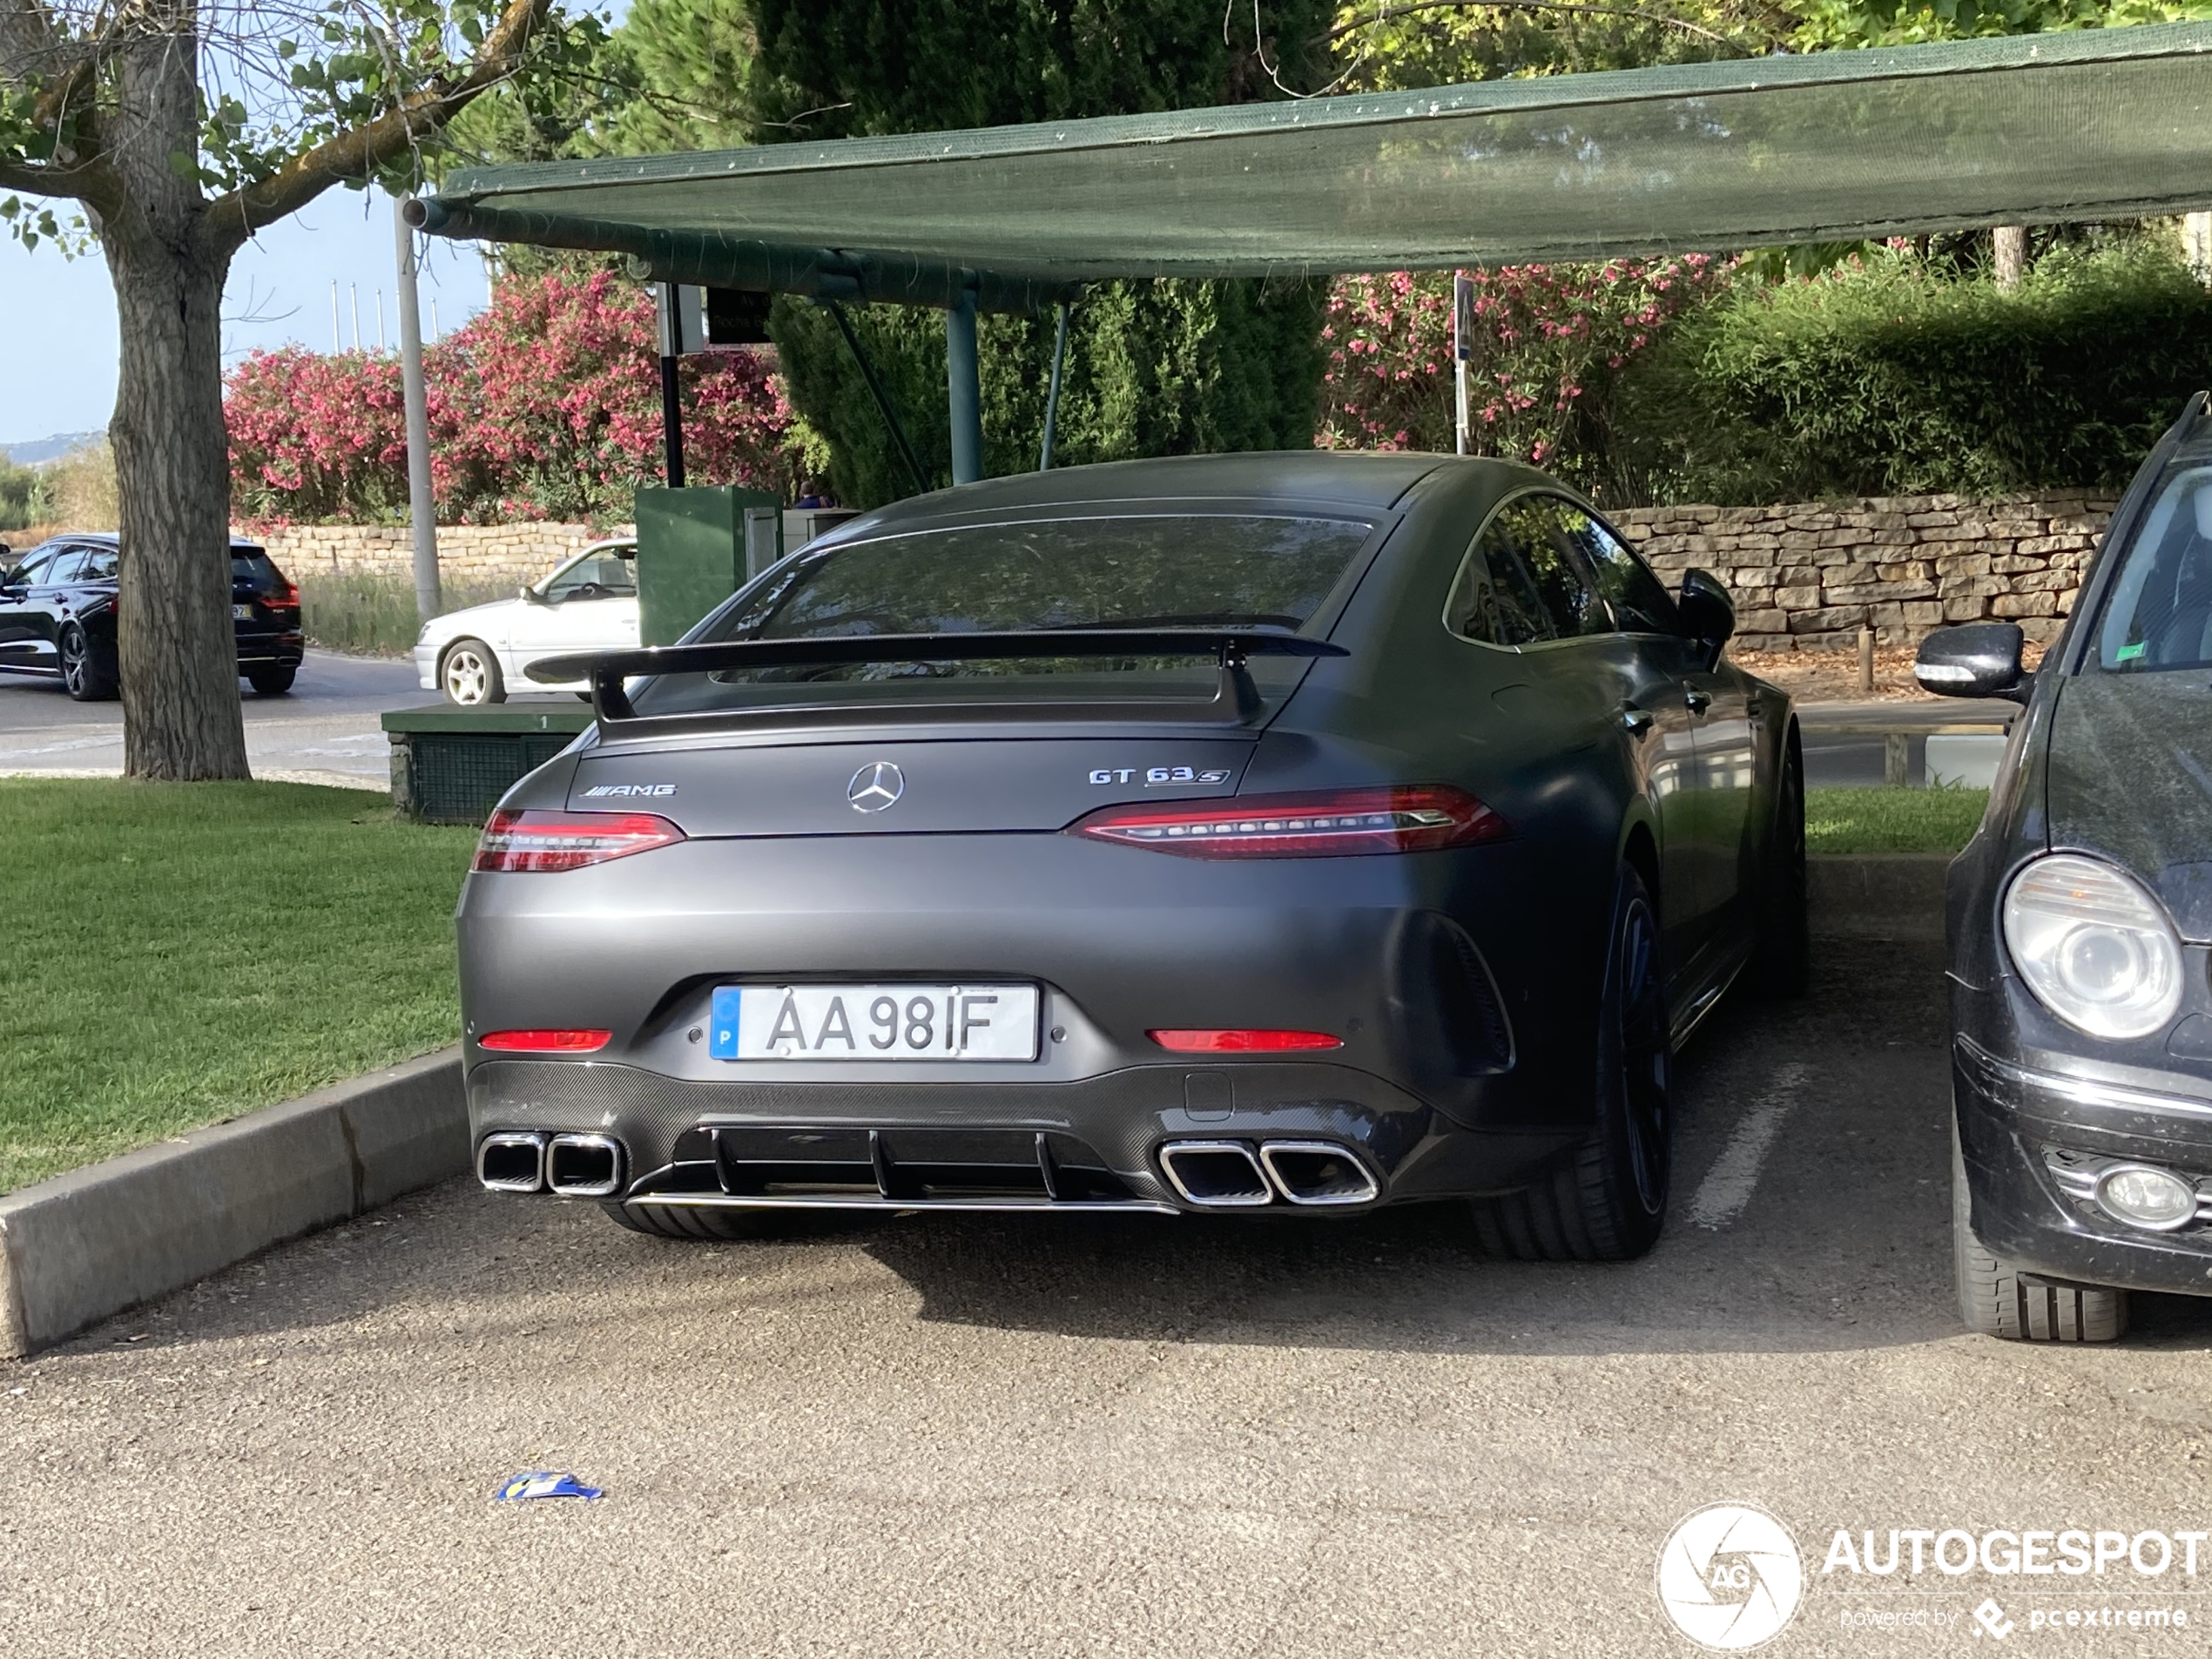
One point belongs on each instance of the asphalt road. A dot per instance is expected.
(946, 1435)
(323, 730)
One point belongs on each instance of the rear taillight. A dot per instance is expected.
(284, 598)
(548, 841)
(544, 1041)
(1243, 1041)
(1411, 819)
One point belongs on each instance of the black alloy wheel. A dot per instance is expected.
(81, 675)
(1608, 1200)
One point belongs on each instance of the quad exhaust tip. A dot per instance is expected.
(569, 1166)
(583, 1166)
(511, 1162)
(1230, 1175)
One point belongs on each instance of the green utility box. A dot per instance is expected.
(695, 548)
(451, 766)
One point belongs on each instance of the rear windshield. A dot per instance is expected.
(2159, 615)
(252, 564)
(1170, 571)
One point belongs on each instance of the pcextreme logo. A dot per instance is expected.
(1730, 1577)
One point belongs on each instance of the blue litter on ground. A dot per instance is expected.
(543, 1483)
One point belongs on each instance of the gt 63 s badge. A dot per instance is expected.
(1152, 775)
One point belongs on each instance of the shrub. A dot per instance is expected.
(373, 615)
(1888, 376)
(1550, 346)
(546, 406)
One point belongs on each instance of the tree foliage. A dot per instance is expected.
(1153, 366)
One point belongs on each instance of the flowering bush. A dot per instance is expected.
(1549, 346)
(546, 406)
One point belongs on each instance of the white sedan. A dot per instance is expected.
(589, 603)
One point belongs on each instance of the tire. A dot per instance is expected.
(681, 1221)
(1782, 965)
(1997, 1300)
(1608, 1202)
(271, 682)
(469, 674)
(82, 675)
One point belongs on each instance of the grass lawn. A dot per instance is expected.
(180, 954)
(1892, 821)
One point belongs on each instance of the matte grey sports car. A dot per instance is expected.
(1274, 834)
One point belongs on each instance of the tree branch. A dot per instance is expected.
(1386, 12)
(26, 33)
(368, 148)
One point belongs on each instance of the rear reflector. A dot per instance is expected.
(544, 1041)
(1398, 820)
(549, 841)
(1243, 1041)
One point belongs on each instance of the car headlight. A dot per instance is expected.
(2096, 949)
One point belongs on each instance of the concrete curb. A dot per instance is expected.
(88, 1245)
(1876, 895)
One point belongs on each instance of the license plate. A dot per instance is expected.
(241, 613)
(874, 1023)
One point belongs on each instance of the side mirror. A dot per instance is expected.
(530, 596)
(1975, 659)
(1707, 614)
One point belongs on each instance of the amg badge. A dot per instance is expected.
(630, 789)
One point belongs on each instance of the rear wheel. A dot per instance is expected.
(469, 674)
(684, 1221)
(1607, 1201)
(1782, 967)
(83, 677)
(271, 682)
(1997, 1300)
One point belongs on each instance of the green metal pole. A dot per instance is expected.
(966, 389)
(1052, 393)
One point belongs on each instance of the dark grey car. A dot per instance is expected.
(1271, 834)
(2081, 934)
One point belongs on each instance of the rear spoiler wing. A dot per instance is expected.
(1236, 699)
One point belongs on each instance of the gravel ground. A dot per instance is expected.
(969, 1435)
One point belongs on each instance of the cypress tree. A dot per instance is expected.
(1154, 366)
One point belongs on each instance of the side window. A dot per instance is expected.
(1494, 598)
(1529, 537)
(33, 570)
(65, 567)
(99, 566)
(1640, 604)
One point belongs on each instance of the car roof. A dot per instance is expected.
(108, 538)
(1346, 481)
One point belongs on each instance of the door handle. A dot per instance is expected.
(1698, 701)
(1755, 708)
(1638, 720)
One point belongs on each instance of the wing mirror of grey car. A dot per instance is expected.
(1975, 659)
(1707, 614)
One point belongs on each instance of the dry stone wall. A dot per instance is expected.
(1809, 578)
(1804, 577)
(506, 554)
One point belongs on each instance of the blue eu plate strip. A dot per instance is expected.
(722, 1033)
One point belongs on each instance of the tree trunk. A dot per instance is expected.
(179, 652)
(2011, 248)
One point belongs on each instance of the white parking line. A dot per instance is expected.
(1727, 1186)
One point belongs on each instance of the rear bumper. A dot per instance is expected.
(1095, 1142)
(262, 648)
(2019, 1126)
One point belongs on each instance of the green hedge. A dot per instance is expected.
(1889, 377)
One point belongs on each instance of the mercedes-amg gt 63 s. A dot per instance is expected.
(1262, 834)
(2081, 934)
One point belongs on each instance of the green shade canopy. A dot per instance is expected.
(2031, 129)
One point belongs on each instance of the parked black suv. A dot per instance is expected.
(58, 615)
(2081, 934)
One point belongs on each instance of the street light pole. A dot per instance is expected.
(421, 509)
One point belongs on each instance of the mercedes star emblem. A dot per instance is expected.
(875, 787)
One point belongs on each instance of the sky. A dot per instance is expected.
(57, 350)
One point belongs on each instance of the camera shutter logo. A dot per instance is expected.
(1730, 1577)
